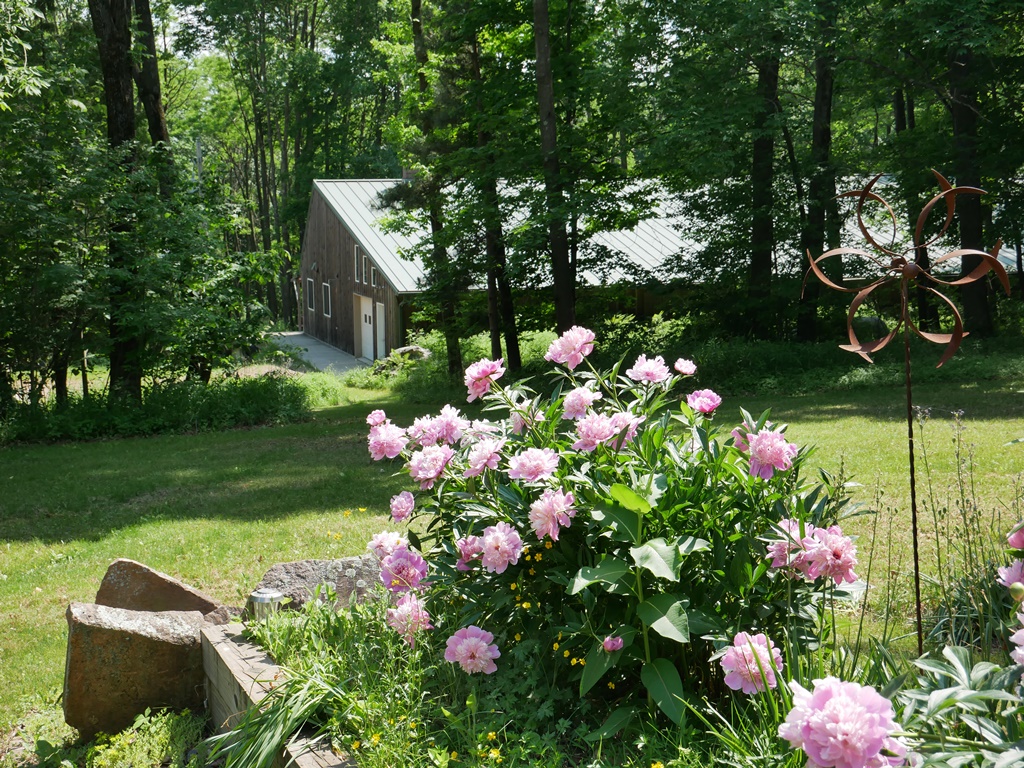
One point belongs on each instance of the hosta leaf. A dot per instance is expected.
(608, 570)
(662, 681)
(666, 615)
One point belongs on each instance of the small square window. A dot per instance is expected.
(326, 287)
(310, 295)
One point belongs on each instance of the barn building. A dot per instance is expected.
(358, 288)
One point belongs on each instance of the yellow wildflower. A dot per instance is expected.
(362, 509)
(529, 557)
(454, 755)
(537, 557)
(657, 764)
(611, 686)
(491, 736)
(375, 739)
(356, 744)
(565, 654)
(495, 753)
(527, 605)
(347, 513)
(518, 637)
(575, 661)
(555, 646)
(512, 586)
(548, 545)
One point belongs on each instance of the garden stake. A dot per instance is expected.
(909, 272)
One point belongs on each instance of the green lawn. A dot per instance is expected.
(217, 510)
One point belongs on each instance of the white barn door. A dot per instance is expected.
(381, 325)
(366, 327)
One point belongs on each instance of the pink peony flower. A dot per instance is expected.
(385, 543)
(751, 663)
(478, 430)
(685, 367)
(408, 617)
(612, 644)
(376, 418)
(471, 649)
(593, 429)
(470, 548)
(533, 464)
(577, 402)
(703, 401)
(654, 371)
(625, 424)
(769, 451)
(402, 506)
(1017, 638)
(501, 547)
(551, 512)
(842, 725)
(427, 465)
(792, 551)
(1016, 538)
(403, 570)
(484, 455)
(1012, 573)
(834, 556)
(523, 419)
(449, 425)
(386, 440)
(480, 375)
(571, 347)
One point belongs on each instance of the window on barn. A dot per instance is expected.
(327, 298)
(310, 295)
(356, 264)
(366, 270)
(373, 276)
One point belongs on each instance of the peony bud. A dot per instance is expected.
(1017, 591)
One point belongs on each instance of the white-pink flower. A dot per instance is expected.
(478, 430)
(792, 550)
(403, 570)
(576, 403)
(769, 452)
(408, 617)
(571, 347)
(1017, 638)
(484, 455)
(751, 663)
(552, 512)
(428, 464)
(502, 546)
(402, 506)
(611, 644)
(386, 440)
(592, 430)
(653, 371)
(385, 543)
(626, 424)
(703, 401)
(376, 418)
(834, 556)
(842, 725)
(1015, 539)
(1012, 573)
(470, 548)
(471, 648)
(685, 367)
(480, 375)
(524, 417)
(533, 464)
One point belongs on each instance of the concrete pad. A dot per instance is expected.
(321, 356)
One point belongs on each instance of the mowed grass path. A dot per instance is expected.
(217, 510)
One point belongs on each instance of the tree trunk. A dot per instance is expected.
(146, 74)
(964, 101)
(562, 272)
(762, 176)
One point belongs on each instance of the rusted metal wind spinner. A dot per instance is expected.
(903, 267)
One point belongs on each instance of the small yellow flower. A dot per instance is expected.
(565, 654)
(611, 686)
(548, 545)
(537, 557)
(375, 739)
(491, 736)
(657, 764)
(527, 605)
(518, 637)
(513, 586)
(362, 509)
(529, 557)
(519, 598)
(347, 513)
(583, 662)
(559, 635)
(575, 661)
(532, 572)
(454, 755)
(495, 753)
(356, 744)
(555, 646)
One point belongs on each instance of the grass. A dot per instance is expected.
(218, 509)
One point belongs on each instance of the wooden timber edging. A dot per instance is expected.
(238, 676)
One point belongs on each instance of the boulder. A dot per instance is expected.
(121, 662)
(136, 587)
(352, 578)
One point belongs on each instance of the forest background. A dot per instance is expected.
(156, 162)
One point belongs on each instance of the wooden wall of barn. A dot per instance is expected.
(328, 258)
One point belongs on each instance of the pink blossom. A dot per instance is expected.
(703, 401)
(842, 725)
(402, 506)
(480, 375)
(1016, 538)
(385, 543)
(742, 434)
(551, 512)
(769, 451)
(376, 418)
(835, 556)
(470, 548)
(428, 464)
(386, 440)
(408, 617)
(523, 419)
(478, 430)
(611, 644)
(403, 570)
(502, 547)
(593, 429)
(571, 347)
(422, 431)
(793, 550)
(625, 424)
(751, 663)
(472, 650)
(654, 371)
(533, 464)
(685, 367)
(578, 401)
(484, 455)
(449, 425)
(1012, 573)
(1017, 638)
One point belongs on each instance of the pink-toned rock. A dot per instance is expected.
(120, 662)
(136, 587)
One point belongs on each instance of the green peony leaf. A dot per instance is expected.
(628, 498)
(627, 523)
(599, 661)
(662, 681)
(616, 722)
(666, 615)
(609, 570)
(659, 557)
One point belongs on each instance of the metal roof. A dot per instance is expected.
(355, 202)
